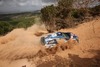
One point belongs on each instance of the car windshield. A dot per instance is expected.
(61, 36)
(67, 35)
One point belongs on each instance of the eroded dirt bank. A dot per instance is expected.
(22, 48)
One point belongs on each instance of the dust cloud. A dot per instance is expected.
(21, 43)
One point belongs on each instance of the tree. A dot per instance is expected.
(65, 3)
(64, 7)
(67, 13)
(48, 15)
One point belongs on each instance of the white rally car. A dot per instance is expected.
(51, 39)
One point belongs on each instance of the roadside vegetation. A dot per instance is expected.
(68, 13)
(8, 22)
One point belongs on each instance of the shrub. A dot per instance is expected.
(48, 13)
(75, 13)
(64, 15)
(5, 27)
(95, 10)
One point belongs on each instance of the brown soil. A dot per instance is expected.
(22, 48)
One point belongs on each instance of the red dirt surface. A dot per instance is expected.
(22, 48)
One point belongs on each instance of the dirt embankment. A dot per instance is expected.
(22, 48)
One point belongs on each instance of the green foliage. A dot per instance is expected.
(75, 14)
(65, 4)
(51, 13)
(63, 8)
(10, 22)
(48, 13)
(5, 27)
(60, 24)
(23, 22)
(64, 15)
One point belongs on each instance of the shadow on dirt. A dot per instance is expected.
(74, 61)
(57, 62)
(86, 62)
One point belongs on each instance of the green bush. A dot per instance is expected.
(5, 27)
(64, 15)
(48, 13)
(75, 13)
(8, 22)
(60, 24)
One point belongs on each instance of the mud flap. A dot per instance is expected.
(42, 40)
(77, 40)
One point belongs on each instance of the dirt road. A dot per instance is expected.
(22, 48)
